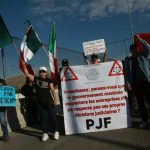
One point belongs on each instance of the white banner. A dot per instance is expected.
(96, 46)
(94, 98)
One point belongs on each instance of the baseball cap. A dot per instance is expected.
(43, 68)
(65, 62)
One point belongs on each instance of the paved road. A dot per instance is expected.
(122, 139)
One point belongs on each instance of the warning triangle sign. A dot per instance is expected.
(116, 69)
(69, 75)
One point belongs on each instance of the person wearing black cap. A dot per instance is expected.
(65, 63)
(29, 91)
(46, 97)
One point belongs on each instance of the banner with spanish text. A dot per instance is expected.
(7, 96)
(96, 46)
(94, 98)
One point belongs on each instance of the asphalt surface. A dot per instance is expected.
(122, 139)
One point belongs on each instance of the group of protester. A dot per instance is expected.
(40, 90)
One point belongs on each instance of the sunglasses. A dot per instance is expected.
(42, 71)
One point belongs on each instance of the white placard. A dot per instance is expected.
(96, 46)
(94, 98)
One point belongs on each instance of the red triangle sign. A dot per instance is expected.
(69, 75)
(116, 69)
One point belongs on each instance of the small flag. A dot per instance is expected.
(29, 46)
(52, 56)
(5, 37)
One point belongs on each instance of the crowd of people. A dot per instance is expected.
(41, 96)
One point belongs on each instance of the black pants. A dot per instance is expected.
(47, 114)
(130, 94)
(140, 92)
(31, 109)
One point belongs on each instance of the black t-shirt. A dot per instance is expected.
(28, 91)
(43, 88)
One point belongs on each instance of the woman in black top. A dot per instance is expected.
(46, 97)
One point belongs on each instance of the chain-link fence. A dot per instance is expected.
(9, 66)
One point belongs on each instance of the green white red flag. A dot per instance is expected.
(5, 37)
(29, 46)
(53, 56)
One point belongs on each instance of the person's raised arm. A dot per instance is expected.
(104, 55)
(30, 76)
(86, 61)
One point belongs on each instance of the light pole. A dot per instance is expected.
(130, 20)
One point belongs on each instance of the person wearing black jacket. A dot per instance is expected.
(29, 91)
(137, 77)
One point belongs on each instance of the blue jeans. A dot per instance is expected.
(3, 123)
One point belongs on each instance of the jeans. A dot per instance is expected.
(3, 123)
(47, 114)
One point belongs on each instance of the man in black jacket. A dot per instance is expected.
(29, 91)
(137, 76)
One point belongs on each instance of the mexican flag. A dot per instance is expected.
(53, 56)
(5, 37)
(29, 46)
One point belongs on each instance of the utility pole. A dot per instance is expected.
(130, 20)
(126, 50)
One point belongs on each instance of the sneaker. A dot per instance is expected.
(56, 135)
(45, 137)
(144, 124)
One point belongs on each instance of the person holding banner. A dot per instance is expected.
(3, 120)
(65, 63)
(94, 59)
(138, 76)
(46, 98)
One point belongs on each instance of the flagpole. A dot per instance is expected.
(130, 20)
(45, 50)
(14, 45)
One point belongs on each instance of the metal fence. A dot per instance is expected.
(115, 50)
